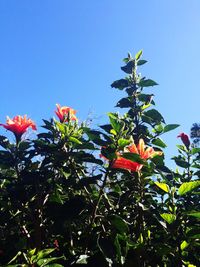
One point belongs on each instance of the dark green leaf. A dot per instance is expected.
(4, 142)
(124, 103)
(154, 116)
(181, 163)
(170, 127)
(119, 223)
(128, 68)
(141, 62)
(147, 83)
(43, 253)
(120, 84)
(195, 214)
(159, 142)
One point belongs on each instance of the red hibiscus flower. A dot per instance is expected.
(185, 139)
(19, 125)
(123, 163)
(65, 113)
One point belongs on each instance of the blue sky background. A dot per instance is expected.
(69, 52)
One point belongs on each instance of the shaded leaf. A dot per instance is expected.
(154, 115)
(141, 62)
(128, 68)
(170, 127)
(124, 103)
(120, 84)
(159, 142)
(147, 83)
(195, 214)
(181, 163)
(119, 223)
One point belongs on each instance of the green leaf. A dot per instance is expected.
(170, 127)
(43, 253)
(158, 129)
(163, 186)
(4, 142)
(187, 187)
(181, 163)
(75, 140)
(120, 84)
(168, 217)
(141, 62)
(154, 115)
(54, 265)
(128, 68)
(116, 124)
(138, 55)
(195, 150)
(119, 223)
(124, 103)
(45, 262)
(184, 245)
(195, 214)
(159, 142)
(123, 142)
(147, 83)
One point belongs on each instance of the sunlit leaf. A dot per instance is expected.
(138, 55)
(184, 245)
(168, 217)
(187, 187)
(195, 150)
(163, 186)
(123, 142)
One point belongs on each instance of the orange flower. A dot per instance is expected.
(65, 113)
(123, 163)
(19, 125)
(144, 153)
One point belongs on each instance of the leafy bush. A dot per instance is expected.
(77, 196)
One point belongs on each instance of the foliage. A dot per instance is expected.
(69, 199)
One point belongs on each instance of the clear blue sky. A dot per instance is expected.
(69, 52)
